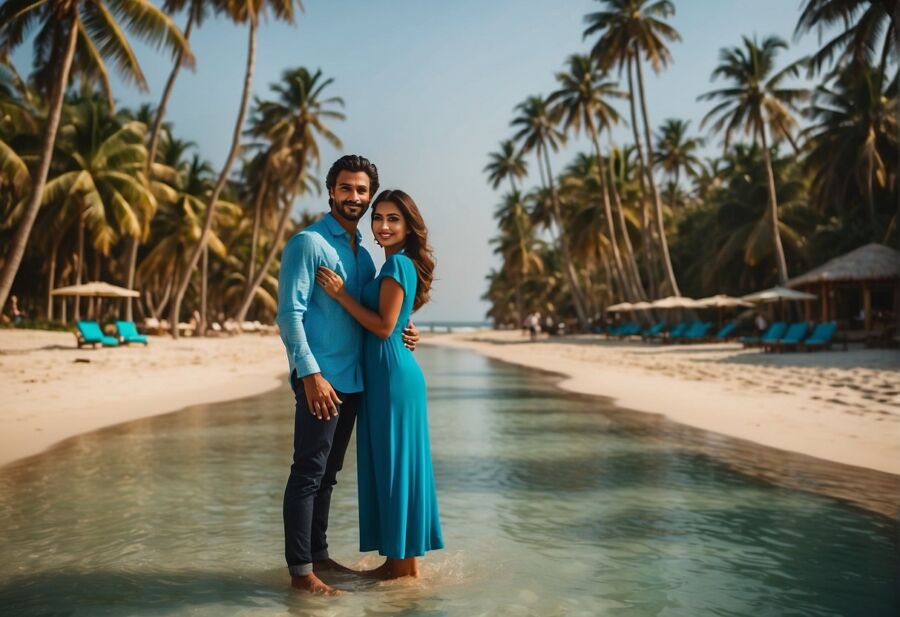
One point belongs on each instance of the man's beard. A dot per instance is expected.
(345, 213)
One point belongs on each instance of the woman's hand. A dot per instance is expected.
(330, 281)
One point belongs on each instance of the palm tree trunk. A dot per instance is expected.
(133, 244)
(220, 184)
(626, 238)
(51, 276)
(773, 209)
(204, 286)
(80, 264)
(645, 218)
(96, 304)
(568, 266)
(20, 239)
(663, 242)
(619, 270)
(164, 101)
(257, 217)
(267, 263)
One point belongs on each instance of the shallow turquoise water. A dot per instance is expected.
(551, 504)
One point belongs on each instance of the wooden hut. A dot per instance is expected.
(860, 290)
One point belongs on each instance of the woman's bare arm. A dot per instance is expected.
(390, 301)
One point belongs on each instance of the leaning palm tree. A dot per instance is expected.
(240, 11)
(198, 11)
(292, 124)
(758, 103)
(627, 30)
(864, 28)
(853, 141)
(583, 102)
(507, 163)
(83, 33)
(537, 133)
(676, 153)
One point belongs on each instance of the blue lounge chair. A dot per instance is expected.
(128, 333)
(89, 333)
(822, 336)
(653, 331)
(725, 332)
(696, 333)
(677, 331)
(792, 337)
(773, 333)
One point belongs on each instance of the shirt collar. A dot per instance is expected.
(336, 230)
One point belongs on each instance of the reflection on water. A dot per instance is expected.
(551, 504)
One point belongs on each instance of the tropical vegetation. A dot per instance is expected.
(803, 173)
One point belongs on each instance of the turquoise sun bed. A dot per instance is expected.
(89, 333)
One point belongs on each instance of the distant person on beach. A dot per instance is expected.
(398, 509)
(761, 323)
(324, 347)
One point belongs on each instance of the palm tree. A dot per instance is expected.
(740, 254)
(292, 124)
(240, 11)
(99, 178)
(864, 27)
(507, 163)
(83, 33)
(517, 244)
(583, 102)
(627, 29)
(853, 143)
(677, 153)
(197, 13)
(758, 103)
(538, 133)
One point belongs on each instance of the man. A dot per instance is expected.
(324, 348)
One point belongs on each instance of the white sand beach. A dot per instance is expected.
(841, 406)
(51, 390)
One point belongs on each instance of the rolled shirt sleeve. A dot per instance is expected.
(296, 281)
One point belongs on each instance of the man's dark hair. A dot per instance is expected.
(352, 162)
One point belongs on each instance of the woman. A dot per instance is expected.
(398, 512)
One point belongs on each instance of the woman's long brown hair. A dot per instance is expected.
(416, 247)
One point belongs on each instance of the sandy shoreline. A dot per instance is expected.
(840, 406)
(52, 391)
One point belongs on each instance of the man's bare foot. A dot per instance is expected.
(330, 565)
(312, 584)
(383, 571)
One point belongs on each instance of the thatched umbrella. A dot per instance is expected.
(778, 294)
(676, 302)
(872, 265)
(621, 306)
(96, 289)
(721, 302)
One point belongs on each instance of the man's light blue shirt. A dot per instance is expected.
(318, 334)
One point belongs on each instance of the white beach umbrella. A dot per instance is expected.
(96, 289)
(641, 306)
(621, 306)
(722, 301)
(777, 293)
(675, 302)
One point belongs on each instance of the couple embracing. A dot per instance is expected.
(349, 344)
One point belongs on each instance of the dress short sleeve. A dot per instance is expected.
(401, 269)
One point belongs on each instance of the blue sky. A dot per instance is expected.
(430, 89)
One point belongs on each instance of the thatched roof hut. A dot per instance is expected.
(873, 268)
(872, 262)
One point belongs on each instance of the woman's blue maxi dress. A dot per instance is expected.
(398, 510)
